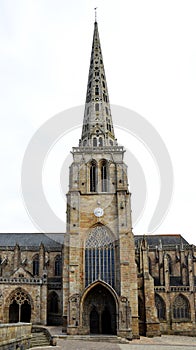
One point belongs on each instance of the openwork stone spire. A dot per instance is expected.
(97, 125)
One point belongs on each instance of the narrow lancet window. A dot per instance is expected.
(93, 177)
(100, 142)
(36, 265)
(104, 176)
(58, 266)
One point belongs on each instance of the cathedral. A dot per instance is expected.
(102, 279)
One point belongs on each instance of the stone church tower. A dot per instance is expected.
(100, 292)
(102, 280)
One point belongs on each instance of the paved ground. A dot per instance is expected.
(164, 342)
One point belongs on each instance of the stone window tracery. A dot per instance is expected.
(100, 256)
(20, 297)
(181, 308)
(20, 307)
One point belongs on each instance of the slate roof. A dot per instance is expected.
(166, 240)
(28, 241)
(55, 241)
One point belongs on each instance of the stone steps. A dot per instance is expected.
(98, 338)
(39, 339)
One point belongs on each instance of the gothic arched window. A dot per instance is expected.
(36, 265)
(100, 256)
(169, 263)
(100, 141)
(58, 266)
(94, 142)
(181, 308)
(93, 176)
(20, 306)
(104, 176)
(161, 309)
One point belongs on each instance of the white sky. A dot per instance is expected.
(149, 52)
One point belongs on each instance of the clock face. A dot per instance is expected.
(98, 212)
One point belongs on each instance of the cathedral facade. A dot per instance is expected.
(102, 279)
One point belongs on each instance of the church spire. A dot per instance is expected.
(97, 125)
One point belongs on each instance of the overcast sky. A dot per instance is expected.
(149, 52)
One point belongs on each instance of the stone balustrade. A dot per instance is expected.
(21, 280)
(15, 336)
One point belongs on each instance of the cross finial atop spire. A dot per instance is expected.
(95, 14)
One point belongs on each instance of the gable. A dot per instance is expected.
(21, 272)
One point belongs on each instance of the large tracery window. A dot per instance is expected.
(181, 308)
(100, 256)
(93, 176)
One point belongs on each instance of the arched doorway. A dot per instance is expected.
(20, 307)
(99, 311)
(53, 310)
